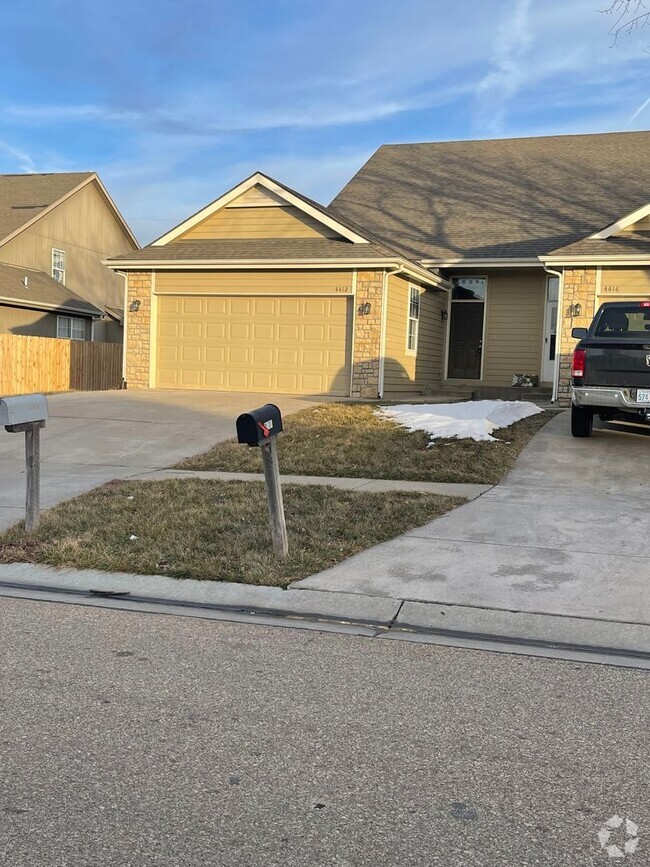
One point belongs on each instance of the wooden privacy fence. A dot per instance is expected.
(29, 364)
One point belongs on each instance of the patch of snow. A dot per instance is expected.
(472, 419)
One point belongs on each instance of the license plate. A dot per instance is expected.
(643, 395)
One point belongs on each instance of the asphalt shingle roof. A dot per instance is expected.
(259, 248)
(22, 197)
(627, 243)
(502, 198)
(40, 289)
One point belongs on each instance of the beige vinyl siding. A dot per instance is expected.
(17, 320)
(265, 222)
(623, 284)
(514, 323)
(406, 372)
(297, 345)
(254, 282)
(514, 326)
(32, 323)
(86, 229)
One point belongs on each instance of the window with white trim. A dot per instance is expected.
(58, 265)
(71, 327)
(413, 319)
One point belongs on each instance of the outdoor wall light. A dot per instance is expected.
(576, 310)
(365, 308)
(134, 306)
(444, 315)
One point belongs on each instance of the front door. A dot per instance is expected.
(466, 328)
(550, 329)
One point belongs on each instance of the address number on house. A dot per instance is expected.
(342, 289)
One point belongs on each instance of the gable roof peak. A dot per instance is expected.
(292, 198)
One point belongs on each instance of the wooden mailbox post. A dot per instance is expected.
(27, 413)
(259, 427)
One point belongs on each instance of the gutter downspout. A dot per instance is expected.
(382, 334)
(124, 335)
(558, 330)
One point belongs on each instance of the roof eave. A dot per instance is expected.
(569, 261)
(287, 264)
(49, 308)
(481, 263)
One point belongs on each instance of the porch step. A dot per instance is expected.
(497, 392)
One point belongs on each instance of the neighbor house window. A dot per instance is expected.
(58, 265)
(413, 319)
(71, 327)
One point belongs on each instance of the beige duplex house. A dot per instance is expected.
(439, 265)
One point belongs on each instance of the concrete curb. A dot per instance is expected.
(342, 607)
(469, 492)
(587, 640)
(519, 626)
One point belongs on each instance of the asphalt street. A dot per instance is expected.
(164, 741)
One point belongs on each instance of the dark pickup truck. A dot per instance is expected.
(610, 373)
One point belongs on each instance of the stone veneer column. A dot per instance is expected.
(138, 329)
(579, 288)
(367, 335)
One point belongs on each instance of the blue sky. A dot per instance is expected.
(173, 102)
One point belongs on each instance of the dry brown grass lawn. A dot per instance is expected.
(349, 440)
(190, 528)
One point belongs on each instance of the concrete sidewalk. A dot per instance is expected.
(372, 486)
(565, 534)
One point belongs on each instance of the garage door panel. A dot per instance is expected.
(286, 382)
(264, 306)
(191, 306)
(240, 307)
(293, 345)
(215, 330)
(215, 355)
(215, 306)
(288, 333)
(190, 330)
(263, 331)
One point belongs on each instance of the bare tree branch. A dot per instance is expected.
(629, 15)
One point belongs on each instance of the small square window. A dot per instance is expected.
(58, 265)
(71, 328)
(413, 319)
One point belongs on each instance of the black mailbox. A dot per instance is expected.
(256, 427)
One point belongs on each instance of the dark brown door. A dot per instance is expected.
(465, 340)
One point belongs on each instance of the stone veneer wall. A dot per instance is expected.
(367, 335)
(138, 326)
(579, 288)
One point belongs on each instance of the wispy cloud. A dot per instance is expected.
(23, 160)
(640, 110)
(499, 86)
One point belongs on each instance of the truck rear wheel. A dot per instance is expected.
(582, 421)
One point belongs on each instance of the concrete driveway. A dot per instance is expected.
(93, 437)
(566, 533)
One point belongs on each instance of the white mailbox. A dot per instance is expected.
(23, 409)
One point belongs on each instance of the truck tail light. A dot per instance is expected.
(645, 304)
(578, 365)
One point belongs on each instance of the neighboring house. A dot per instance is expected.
(55, 230)
(462, 263)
